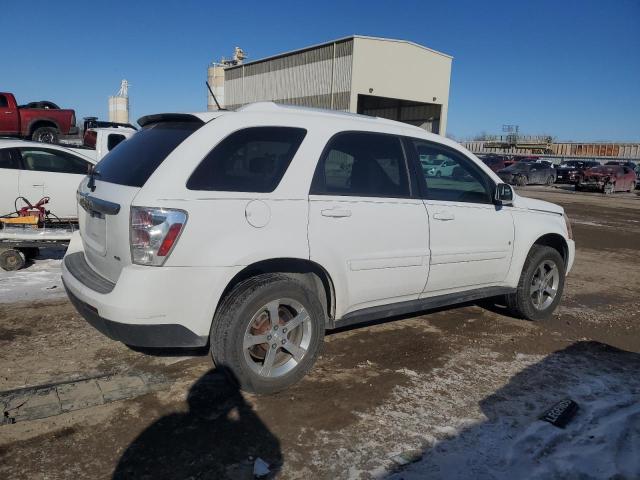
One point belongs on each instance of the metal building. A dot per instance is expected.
(388, 78)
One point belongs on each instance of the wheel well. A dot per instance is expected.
(557, 242)
(41, 123)
(309, 273)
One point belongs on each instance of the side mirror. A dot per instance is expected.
(503, 195)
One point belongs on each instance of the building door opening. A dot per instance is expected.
(423, 115)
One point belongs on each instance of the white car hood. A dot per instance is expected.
(538, 205)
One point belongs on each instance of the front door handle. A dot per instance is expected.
(38, 185)
(444, 216)
(336, 213)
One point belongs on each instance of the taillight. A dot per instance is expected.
(153, 233)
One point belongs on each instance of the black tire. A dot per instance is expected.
(232, 320)
(30, 252)
(578, 187)
(549, 181)
(45, 135)
(520, 303)
(11, 260)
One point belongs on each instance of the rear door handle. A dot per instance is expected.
(444, 216)
(38, 185)
(336, 213)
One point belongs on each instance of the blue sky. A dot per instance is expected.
(566, 68)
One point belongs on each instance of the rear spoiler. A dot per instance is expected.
(169, 117)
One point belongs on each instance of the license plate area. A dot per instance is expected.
(95, 236)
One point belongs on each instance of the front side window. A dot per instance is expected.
(3, 101)
(250, 160)
(362, 164)
(44, 160)
(450, 176)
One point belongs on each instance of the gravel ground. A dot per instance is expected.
(450, 394)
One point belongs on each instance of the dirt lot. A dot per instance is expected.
(449, 394)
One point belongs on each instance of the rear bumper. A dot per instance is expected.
(147, 306)
(160, 336)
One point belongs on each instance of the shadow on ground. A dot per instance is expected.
(218, 437)
(601, 442)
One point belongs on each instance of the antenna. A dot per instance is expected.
(213, 95)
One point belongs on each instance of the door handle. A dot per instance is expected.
(38, 185)
(444, 216)
(8, 113)
(336, 213)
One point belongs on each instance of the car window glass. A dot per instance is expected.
(42, 160)
(113, 140)
(249, 160)
(456, 179)
(3, 101)
(7, 160)
(362, 164)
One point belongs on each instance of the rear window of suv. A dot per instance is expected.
(135, 160)
(250, 160)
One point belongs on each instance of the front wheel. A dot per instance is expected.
(540, 286)
(268, 333)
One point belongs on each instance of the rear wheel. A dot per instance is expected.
(549, 180)
(540, 286)
(12, 260)
(268, 333)
(45, 135)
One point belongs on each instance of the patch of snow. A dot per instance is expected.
(38, 281)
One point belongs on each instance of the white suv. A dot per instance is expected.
(255, 231)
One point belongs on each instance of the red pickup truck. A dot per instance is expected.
(39, 121)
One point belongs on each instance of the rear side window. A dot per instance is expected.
(8, 160)
(3, 101)
(133, 162)
(249, 160)
(362, 164)
(113, 140)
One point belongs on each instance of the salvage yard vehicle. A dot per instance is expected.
(256, 231)
(608, 179)
(571, 171)
(494, 162)
(527, 173)
(32, 171)
(38, 121)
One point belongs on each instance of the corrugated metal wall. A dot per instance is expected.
(613, 150)
(318, 77)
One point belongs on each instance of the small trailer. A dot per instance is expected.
(24, 232)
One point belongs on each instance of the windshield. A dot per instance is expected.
(135, 160)
(519, 167)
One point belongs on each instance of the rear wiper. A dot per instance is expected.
(91, 184)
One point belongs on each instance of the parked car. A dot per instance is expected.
(229, 234)
(39, 121)
(33, 171)
(571, 171)
(98, 141)
(637, 170)
(527, 173)
(494, 162)
(622, 163)
(608, 179)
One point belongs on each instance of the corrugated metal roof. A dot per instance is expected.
(339, 40)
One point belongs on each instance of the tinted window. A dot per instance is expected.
(456, 178)
(250, 160)
(43, 160)
(362, 164)
(114, 140)
(136, 159)
(8, 160)
(3, 101)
